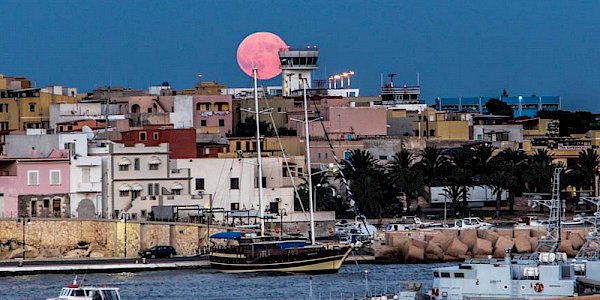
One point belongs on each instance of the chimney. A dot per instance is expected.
(34, 152)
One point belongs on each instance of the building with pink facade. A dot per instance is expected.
(35, 187)
(212, 114)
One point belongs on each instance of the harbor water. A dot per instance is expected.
(209, 284)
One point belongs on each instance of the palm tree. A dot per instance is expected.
(499, 183)
(323, 190)
(482, 155)
(586, 168)
(359, 163)
(404, 177)
(539, 171)
(461, 173)
(512, 163)
(433, 165)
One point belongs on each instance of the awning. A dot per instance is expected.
(124, 161)
(137, 187)
(228, 235)
(125, 188)
(154, 161)
(177, 186)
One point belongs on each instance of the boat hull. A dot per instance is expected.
(329, 263)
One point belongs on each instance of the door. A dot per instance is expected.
(33, 208)
(56, 207)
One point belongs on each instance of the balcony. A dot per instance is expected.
(89, 187)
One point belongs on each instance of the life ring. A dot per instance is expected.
(277, 230)
(538, 287)
(435, 292)
(330, 231)
(297, 230)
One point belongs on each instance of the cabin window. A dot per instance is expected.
(445, 275)
(234, 183)
(459, 275)
(436, 274)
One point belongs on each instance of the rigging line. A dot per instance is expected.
(219, 181)
(287, 166)
(341, 172)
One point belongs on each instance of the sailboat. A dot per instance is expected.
(272, 254)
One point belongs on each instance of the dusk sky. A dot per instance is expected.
(460, 48)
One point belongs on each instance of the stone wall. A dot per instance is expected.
(60, 238)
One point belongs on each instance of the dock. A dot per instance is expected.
(114, 265)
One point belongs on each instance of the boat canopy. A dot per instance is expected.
(228, 235)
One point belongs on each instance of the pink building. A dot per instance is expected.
(212, 114)
(342, 121)
(35, 187)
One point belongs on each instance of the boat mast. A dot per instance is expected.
(308, 164)
(261, 210)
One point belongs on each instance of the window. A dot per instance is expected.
(156, 189)
(432, 132)
(33, 177)
(235, 206)
(221, 123)
(85, 174)
(176, 191)
(202, 123)
(150, 109)
(234, 183)
(54, 177)
(136, 164)
(150, 189)
(300, 173)
(153, 167)
(199, 183)
(383, 157)
(46, 203)
(123, 167)
(285, 172)
(124, 193)
(264, 181)
(459, 275)
(155, 136)
(238, 145)
(445, 275)
(142, 136)
(31, 107)
(3, 125)
(135, 194)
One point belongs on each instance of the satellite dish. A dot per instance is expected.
(88, 132)
(261, 50)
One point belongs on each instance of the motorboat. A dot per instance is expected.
(75, 291)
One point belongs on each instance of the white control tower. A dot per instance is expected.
(295, 65)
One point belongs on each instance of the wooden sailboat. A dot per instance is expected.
(272, 254)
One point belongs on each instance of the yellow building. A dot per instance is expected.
(28, 108)
(435, 125)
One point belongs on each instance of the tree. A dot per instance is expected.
(462, 173)
(433, 165)
(404, 177)
(498, 107)
(582, 173)
(571, 122)
(482, 155)
(326, 195)
(512, 163)
(539, 171)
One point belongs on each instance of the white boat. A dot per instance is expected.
(74, 291)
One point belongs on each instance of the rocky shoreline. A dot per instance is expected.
(445, 245)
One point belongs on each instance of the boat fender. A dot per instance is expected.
(477, 281)
(277, 230)
(330, 231)
(297, 230)
(538, 287)
(435, 292)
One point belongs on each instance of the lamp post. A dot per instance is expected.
(124, 218)
(23, 222)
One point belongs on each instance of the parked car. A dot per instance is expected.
(472, 223)
(158, 251)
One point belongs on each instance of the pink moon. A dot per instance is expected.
(261, 50)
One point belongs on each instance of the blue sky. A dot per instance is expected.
(460, 48)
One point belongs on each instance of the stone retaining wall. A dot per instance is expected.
(60, 238)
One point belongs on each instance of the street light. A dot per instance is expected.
(124, 218)
(23, 222)
(282, 213)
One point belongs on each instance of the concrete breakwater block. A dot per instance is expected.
(414, 254)
(567, 247)
(445, 238)
(534, 242)
(576, 240)
(489, 235)
(457, 248)
(521, 232)
(522, 243)
(502, 244)
(538, 233)
(434, 252)
(505, 232)
(482, 247)
(468, 237)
